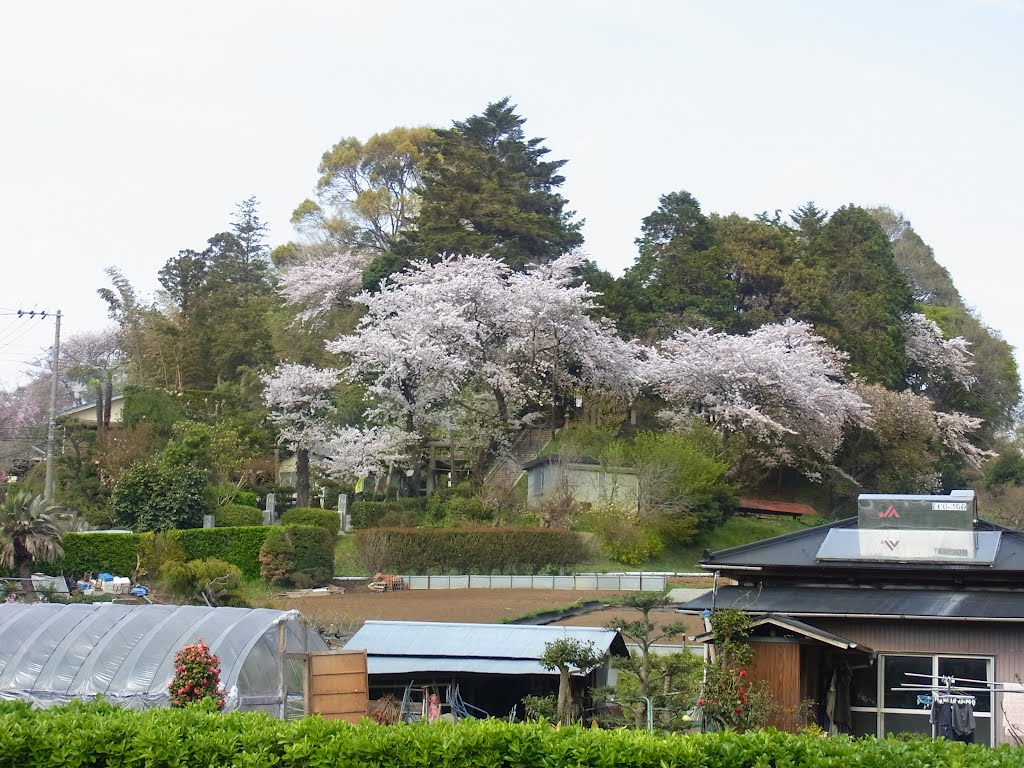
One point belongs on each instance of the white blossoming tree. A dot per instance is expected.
(320, 282)
(933, 358)
(467, 343)
(780, 386)
(299, 399)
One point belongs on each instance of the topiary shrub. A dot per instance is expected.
(231, 515)
(295, 555)
(325, 518)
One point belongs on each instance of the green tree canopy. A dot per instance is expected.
(487, 189)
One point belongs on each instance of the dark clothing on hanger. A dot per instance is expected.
(953, 722)
(963, 719)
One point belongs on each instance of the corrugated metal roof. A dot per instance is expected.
(837, 601)
(481, 641)
(402, 665)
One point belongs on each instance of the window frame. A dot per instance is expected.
(880, 710)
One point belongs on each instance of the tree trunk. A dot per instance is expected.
(564, 711)
(101, 422)
(22, 560)
(109, 399)
(302, 477)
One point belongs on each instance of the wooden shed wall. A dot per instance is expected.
(778, 664)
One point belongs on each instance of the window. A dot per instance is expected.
(878, 709)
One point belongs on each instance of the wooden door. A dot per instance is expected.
(336, 685)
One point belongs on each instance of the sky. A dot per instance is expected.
(129, 131)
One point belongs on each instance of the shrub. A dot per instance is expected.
(231, 515)
(206, 582)
(325, 518)
(295, 555)
(155, 496)
(468, 550)
(197, 676)
(379, 514)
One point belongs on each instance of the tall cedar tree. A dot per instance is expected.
(679, 279)
(856, 296)
(487, 189)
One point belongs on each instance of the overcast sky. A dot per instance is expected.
(129, 131)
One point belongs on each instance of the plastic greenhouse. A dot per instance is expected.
(51, 653)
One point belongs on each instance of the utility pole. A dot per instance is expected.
(51, 426)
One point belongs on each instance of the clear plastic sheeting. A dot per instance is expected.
(51, 653)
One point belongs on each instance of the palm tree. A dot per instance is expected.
(29, 530)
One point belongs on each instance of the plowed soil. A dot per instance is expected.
(475, 606)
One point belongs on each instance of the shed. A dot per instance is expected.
(52, 653)
(585, 478)
(494, 665)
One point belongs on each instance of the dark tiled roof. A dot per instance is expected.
(840, 601)
(799, 550)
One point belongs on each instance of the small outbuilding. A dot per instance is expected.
(584, 478)
(52, 653)
(490, 667)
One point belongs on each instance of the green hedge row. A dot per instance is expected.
(118, 553)
(239, 546)
(97, 734)
(298, 555)
(96, 553)
(468, 550)
(325, 518)
(390, 513)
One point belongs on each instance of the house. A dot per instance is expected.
(86, 413)
(914, 585)
(490, 667)
(584, 478)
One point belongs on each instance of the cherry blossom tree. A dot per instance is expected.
(321, 282)
(935, 357)
(781, 386)
(467, 344)
(299, 399)
(354, 452)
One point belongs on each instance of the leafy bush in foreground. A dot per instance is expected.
(99, 734)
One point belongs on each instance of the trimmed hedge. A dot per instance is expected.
(325, 518)
(299, 555)
(239, 546)
(100, 734)
(388, 514)
(468, 550)
(238, 514)
(96, 553)
(117, 552)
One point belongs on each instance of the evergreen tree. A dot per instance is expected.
(679, 279)
(487, 189)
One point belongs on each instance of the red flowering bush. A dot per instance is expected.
(196, 676)
(730, 699)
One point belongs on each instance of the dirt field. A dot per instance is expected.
(477, 606)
